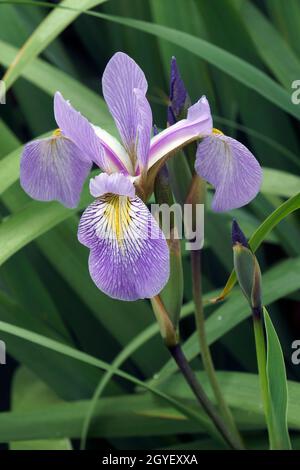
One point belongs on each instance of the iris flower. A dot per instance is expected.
(129, 256)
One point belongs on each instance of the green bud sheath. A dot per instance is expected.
(166, 327)
(246, 268)
(248, 274)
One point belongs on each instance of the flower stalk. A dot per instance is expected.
(202, 398)
(171, 341)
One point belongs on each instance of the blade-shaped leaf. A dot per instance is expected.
(28, 392)
(277, 383)
(46, 32)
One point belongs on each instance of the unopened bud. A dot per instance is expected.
(179, 98)
(247, 268)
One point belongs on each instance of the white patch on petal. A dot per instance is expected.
(113, 148)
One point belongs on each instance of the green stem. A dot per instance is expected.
(261, 355)
(204, 347)
(170, 339)
(201, 396)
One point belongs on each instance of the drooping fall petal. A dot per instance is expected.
(129, 256)
(54, 169)
(231, 168)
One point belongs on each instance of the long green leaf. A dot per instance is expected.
(90, 360)
(50, 79)
(286, 16)
(241, 391)
(45, 33)
(139, 415)
(57, 371)
(272, 48)
(277, 384)
(280, 183)
(28, 393)
(237, 68)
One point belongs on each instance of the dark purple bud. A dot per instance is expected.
(238, 236)
(179, 98)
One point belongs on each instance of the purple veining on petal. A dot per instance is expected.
(77, 128)
(231, 168)
(53, 169)
(115, 183)
(197, 124)
(129, 256)
(121, 77)
(178, 94)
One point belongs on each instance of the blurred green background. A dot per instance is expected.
(45, 287)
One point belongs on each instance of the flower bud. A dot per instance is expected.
(179, 98)
(247, 268)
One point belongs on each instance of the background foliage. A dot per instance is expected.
(61, 332)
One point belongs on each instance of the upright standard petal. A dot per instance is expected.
(83, 133)
(53, 169)
(121, 78)
(231, 168)
(179, 98)
(144, 128)
(197, 124)
(129, 256)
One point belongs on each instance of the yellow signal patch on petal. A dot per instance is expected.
(117, 214)
(57, 133)
(217, 131)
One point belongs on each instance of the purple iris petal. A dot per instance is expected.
(77, 128)
(53, 169)
(115, 183)
(231, 168)
(116, 157)
(121, 79)
(80, 130)
(144, 127)
(129, 256)
(178, 94)
(197, 124)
